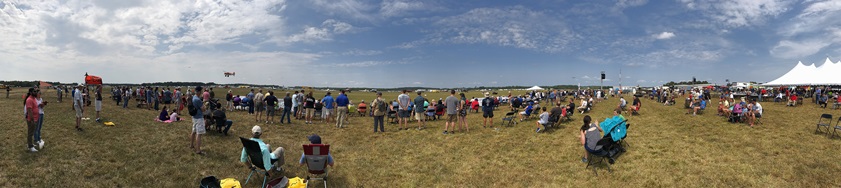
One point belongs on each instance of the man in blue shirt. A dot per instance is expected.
(198, 123)
(342, 103)
(328, 107)
(419, 104)
(277, 154)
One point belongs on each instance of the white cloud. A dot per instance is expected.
(794, 49)
(664, 35)
(517, 27)
(328, 29)
(740, 13)
(358, 52)
(622, 4)
(393, 8)
(369, 63)
(353, 9)
(417, 83)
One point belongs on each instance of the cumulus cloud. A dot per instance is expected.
(798, 49)
(664, 35)
(739, 13)
(517, 27)
(328, 29)
(370, 63)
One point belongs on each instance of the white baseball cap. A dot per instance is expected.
(256, 129)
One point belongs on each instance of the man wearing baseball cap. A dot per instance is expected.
(277, 154)
(315, 139)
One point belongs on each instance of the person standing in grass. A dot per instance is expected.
(295, 104)
(327, 109)
(271, 102)
(31, 115)
(288, 105)
(342, 103)
(259, 105)
(250, 97)
(98, 102)
(198, 122)
(380, 109)
(452, 111)
(300, 101)
(309, 105)
(487, 110)
(462, 112)
(229, 99)
(78, 106)
(41, 105)
(126, 95)
(420, 103)
(403, 110)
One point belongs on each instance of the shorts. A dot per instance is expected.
(419, 116)
(98, 105)
(757, 115)
(451, 118)
(326, 112)
(403, 113)
(259, 107)
(310, 111)
(488, 114)
(523, 113)
(198, 126)
(462, 113)
(78, 111)
(270, 111)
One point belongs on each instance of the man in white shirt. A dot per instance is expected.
(77, 105)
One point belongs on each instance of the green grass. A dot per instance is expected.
(668, 149)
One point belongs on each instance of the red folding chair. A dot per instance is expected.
(316, 158)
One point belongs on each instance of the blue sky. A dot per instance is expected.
(394, 43)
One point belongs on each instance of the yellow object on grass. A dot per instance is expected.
(108, 123)
(297, 182)
(230, 183)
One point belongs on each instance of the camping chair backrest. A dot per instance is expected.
(316, 157)
(825, 116)
(255, 155)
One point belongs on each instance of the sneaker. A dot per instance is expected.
(445, 132)
(584, 160)
(97, 120)
(279, 169)
(41, 144)
(32, 149)
(538, 130)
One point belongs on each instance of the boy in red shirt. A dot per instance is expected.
(31, 109)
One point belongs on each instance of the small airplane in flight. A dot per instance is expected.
(228, 74)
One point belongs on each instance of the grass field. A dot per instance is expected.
(667, 149)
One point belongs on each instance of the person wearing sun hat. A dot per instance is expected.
(277, 154)
(315, 139)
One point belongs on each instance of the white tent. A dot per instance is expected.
(535, 88)
(826, 74)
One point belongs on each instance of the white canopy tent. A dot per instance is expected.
(827, 74)
(535, 88)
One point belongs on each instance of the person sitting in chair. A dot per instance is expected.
(589, 136)
(792, 100)
(583, 107)
(362, 108)
(755, 112)
(543, 120)
(315, 139)
(622, 102)
(277, 154)
(635, 106)
(221, 119)
(526, 112)
(822, 100)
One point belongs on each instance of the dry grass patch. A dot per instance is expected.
(668, 149)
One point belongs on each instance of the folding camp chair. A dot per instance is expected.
(315, 156)
(255, 156)
(392, 117)
(821, 124)
(604, 142)
(362, 110)
(509, 118)
(836, 128)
